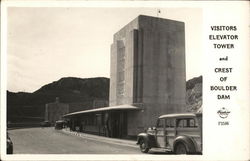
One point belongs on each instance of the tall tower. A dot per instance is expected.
(148, 69)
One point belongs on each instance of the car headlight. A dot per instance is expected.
(9, 142)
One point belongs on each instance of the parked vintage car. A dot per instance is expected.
(60, 124)
(45, 124)
(178, 133)
(9, 145)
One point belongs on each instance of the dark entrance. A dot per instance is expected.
(117, 124)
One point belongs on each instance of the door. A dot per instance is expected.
(119, 124)
(123, 124)
(170, 132)
(160, 133)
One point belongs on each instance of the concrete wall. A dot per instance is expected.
(154, 70)
(163, 62)
(125, 37)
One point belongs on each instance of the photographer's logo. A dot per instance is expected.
(223, 112)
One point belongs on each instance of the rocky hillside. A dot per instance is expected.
(69, 90)
(194, 94)
(72, 89)
(80, 93)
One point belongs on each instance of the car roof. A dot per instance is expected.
(178, 115)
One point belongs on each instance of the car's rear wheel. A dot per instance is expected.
(180, 149)
(143, 146)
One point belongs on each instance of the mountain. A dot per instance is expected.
(79, 92)
(194, 94)
(72, 89)
(68, 89)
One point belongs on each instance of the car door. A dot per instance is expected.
(170, 132)
(160, 133)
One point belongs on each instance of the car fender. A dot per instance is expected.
(187, 141)
(149, 139)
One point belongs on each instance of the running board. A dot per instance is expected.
(162, 149)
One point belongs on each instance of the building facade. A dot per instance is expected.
(148, 69)
(147, 78)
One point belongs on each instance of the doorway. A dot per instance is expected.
(118, 124)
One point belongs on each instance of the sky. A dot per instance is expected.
(45, 44)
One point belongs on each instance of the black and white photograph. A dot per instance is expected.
(112, 81)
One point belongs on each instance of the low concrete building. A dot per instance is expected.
(55, 111)
(148, 78)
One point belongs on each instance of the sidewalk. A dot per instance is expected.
(122, 142)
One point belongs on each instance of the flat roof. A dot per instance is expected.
(178, 115)
(120, 107)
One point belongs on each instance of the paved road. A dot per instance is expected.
(50, 141)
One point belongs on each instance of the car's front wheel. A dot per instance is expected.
(143, 146)
(181, 149)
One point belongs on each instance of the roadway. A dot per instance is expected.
(51, 141)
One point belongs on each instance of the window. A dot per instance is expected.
(170, 123)
(160, 123)
(186, 123)
(193, 123)
(182, 123)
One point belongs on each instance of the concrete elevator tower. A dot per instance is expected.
(148, 70)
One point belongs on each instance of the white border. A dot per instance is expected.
(206, 6)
